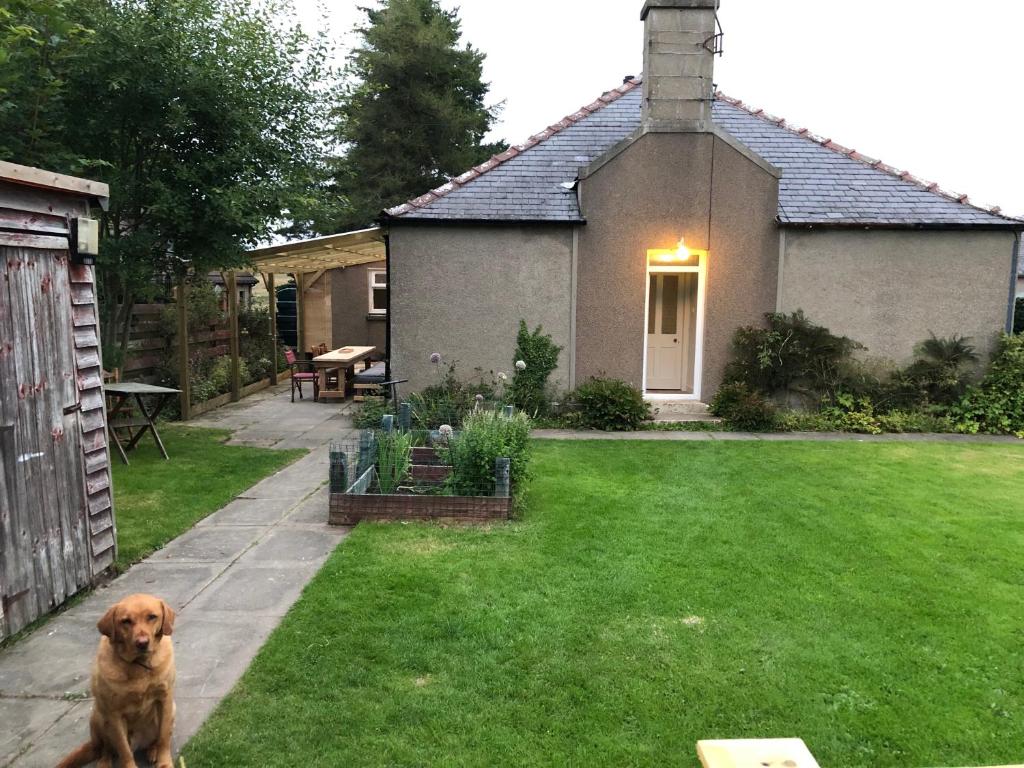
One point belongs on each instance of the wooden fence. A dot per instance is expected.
(150, 347)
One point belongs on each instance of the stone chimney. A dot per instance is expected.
(679, 40)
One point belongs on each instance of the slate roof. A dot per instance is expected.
(822, 182)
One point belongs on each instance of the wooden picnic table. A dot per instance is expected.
(344, 358)
(118, 418)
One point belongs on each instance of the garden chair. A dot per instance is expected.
(299, 375)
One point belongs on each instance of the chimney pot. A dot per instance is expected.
(627, 78)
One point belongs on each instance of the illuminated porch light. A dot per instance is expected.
(681, 254)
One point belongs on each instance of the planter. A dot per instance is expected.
(351, 508)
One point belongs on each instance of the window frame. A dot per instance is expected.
(372, 284)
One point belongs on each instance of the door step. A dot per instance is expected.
(681, 410)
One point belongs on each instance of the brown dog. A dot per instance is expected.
(132, 686)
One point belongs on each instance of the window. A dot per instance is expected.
(378, 291)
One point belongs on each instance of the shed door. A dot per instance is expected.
(43, 528)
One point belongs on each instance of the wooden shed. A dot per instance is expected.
(56, 507)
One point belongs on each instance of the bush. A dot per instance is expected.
(529, 390)
(996, 406)
(610, 404)
(448, 401)
(743, 409)
(791, 355)
(369, 414)
(486, 436)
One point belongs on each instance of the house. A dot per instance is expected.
(643, 229)
(56, 508)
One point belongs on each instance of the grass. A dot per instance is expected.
(156, 500)
(866, 597)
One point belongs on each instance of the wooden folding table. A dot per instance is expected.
(136, 425)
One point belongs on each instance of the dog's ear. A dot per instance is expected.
(106, 625)
(167, 624)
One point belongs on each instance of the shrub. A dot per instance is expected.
(610, 404)
(369, 414)
(914, 421)
(996, 406)
(791, 354)
(743, 409)
(393, 457)
(448, 401)
(939, 373)
(529, 390)
(486, 436)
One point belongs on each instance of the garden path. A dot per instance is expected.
(231, 579)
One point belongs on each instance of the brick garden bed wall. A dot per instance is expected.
(351, 508)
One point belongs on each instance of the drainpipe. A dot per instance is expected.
(1015, 267)
(387, 317)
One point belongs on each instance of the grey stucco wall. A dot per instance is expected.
(461, 291)
(351, 324)
(658, 190)
(890, 289)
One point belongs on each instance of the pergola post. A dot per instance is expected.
(300, 321)
(183, 361)
(231, 286)
(268, 279)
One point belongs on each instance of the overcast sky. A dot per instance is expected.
(929, 86)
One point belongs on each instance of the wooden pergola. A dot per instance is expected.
(306, 260)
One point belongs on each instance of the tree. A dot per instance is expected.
(412, 114)
(205, 117)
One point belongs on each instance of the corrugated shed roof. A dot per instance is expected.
(822, 182)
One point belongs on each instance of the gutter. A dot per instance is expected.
(1013, 226)
(1014, 270)
(387, 317)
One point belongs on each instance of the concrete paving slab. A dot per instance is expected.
(190, 714)
(177, 583)
(294, 546)
(212, 653)
(25, 721)
(256, 591)
(313, 509)
(245, 511)
(211, 544)
(54, 661)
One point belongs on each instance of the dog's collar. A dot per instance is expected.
(142, 664)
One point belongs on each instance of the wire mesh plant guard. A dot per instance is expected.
(394, 473)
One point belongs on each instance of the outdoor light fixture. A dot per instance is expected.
(83, 240)
(681, 254)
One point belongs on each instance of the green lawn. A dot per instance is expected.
(866, 597)
(156, 500)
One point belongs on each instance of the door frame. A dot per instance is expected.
(698, 356)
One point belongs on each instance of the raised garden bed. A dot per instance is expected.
(422, 497)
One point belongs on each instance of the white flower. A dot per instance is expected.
(479, 398)
(435, 357)
(502, 376)
(520, 365)
(446, 430)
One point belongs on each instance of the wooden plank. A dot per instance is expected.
(82, 273)
(92, 400)
(90, 378)
(211, 404)
(47, 203)
(95, 461)
(97, 481)
(94, 440)
(87, 358)
(755, 753)
(84, 315)
(37, 177)
(92, 420)
(256, 386)
(27, 240)
(81, 293)
(102, 542)
(100, 522)
(39, 223)
(98, 502)
(86, 337)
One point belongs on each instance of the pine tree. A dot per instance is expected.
(412, 114)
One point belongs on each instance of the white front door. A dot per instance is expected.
(665, 326)
(672, 304)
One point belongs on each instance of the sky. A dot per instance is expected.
(928, 86)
